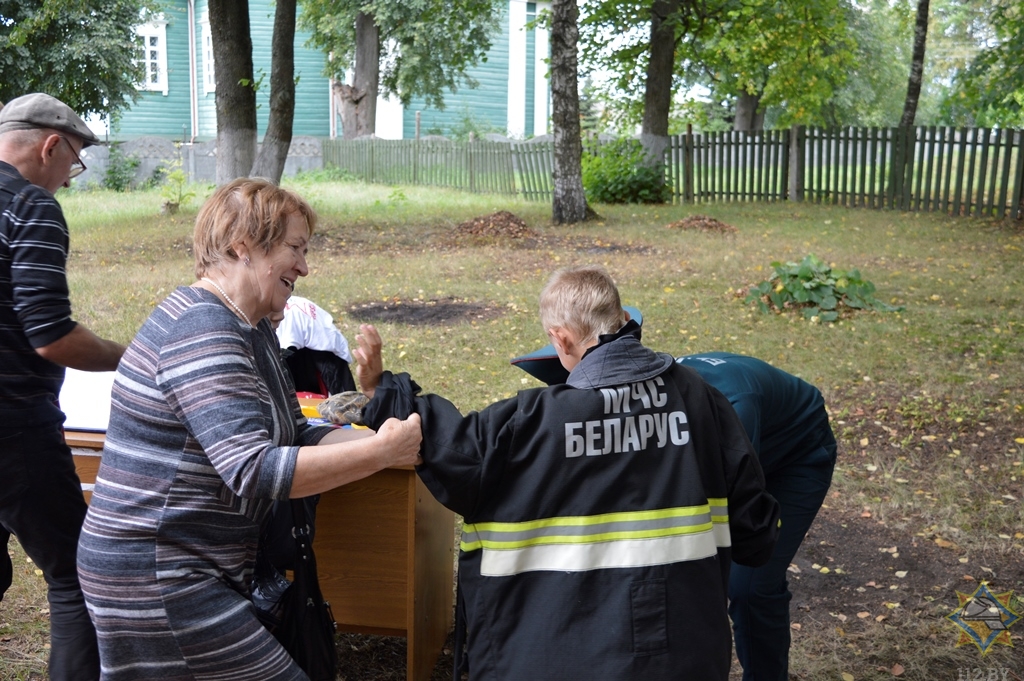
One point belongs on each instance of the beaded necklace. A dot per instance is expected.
(228, 298)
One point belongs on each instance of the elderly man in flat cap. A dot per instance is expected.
(41, 500)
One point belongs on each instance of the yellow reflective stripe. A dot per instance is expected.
(584, 539)
(719, 510)
(582, 520)
(606, 527)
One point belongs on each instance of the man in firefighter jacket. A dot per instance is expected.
(601, 516)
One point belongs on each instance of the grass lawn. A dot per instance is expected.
(927, 403)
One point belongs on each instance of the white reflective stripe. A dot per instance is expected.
(723, 537)
(600, 555)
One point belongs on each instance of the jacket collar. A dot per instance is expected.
(618, 358)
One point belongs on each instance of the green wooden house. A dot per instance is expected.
(177, 99)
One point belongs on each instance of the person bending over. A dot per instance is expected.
(788, 426)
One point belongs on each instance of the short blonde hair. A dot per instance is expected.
(583, 299)
(246, 209)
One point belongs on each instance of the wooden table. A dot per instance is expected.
(384, 549)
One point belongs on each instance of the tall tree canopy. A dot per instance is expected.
(82, 52)
(992, 87)
(406, 49)
(756, 52)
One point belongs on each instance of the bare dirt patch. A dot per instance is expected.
(703, 223)
(434, 312)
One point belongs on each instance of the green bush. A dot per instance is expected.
(820, 291)
(617, 173)
(120, 170)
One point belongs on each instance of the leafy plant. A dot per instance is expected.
(120, 170)
(175, 189)
(618, 172)
(821, 291)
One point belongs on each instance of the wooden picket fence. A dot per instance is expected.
(957, 171)
(482, 166)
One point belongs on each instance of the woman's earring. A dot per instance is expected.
(245, 261)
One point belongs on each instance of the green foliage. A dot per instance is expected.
(617, 172)
(176, 188)
(120, 170)
(821, 292)
(991, 89)
(81, 51)
(426, 45)
(791, 53)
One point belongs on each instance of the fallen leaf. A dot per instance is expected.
(944, 543)
(968, 578)
(880, 618)
(847, 676)
(824, 570)
(795, 625)
(863, 615)
(897, 669)
(901, 573)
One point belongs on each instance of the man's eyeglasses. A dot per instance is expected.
(77, 168)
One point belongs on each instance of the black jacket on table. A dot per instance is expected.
(600, 517)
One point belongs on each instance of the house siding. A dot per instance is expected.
(163, 116)
(485, 106)
(531, 66)
(154, 113)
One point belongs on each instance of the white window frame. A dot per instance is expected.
(209, 76)
(154, 56)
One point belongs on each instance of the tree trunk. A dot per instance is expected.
(658, 86)
(570, 203)
(916, 65)
(358, 102)
(274, 151)
(748, 118)
(236, 94)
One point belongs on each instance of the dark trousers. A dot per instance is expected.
(759, 597)
(41, 504)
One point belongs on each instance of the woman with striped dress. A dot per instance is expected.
(205, 434)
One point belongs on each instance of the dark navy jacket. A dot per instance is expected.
(601, 517)
(784, 416)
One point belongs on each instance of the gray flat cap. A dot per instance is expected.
(39, 110)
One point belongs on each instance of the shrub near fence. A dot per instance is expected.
(957, 171)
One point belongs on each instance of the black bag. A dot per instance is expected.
(296, 612)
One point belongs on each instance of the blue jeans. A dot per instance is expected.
(41, 504)
(759, 597)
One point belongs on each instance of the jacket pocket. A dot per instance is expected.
(650, 628)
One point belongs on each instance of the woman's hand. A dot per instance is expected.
(369, 365)
(403, 438)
